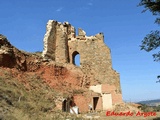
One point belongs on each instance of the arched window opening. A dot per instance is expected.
(76, 58)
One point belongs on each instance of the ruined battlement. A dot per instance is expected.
(62, 45)
(57, 37)
(56, 40)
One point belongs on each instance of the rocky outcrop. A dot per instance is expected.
(11, 57)
(6, 53)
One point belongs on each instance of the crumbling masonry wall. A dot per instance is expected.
(56, 41)
(61, 45)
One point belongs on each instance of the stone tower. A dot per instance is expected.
(62, 45)
(56, 41)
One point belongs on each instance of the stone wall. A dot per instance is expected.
(56, 41)
(94, 57)
(109, 94)
(62, 45)
(82, 102)
(50, 40)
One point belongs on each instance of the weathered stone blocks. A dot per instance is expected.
(62, 45)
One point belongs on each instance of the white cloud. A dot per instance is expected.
(59, 9)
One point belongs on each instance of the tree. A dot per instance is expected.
(158, 77)
(152, 40)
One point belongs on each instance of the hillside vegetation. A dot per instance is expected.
(29, 99)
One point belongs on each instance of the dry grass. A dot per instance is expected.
(18, 102)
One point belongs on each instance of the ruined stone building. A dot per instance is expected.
(62, 45)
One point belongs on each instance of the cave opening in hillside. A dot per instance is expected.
(76, 58)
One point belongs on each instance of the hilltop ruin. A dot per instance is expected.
(62, 45)
(93, 82)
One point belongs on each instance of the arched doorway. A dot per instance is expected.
(67, 104)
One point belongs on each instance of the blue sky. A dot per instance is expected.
(123, 25)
